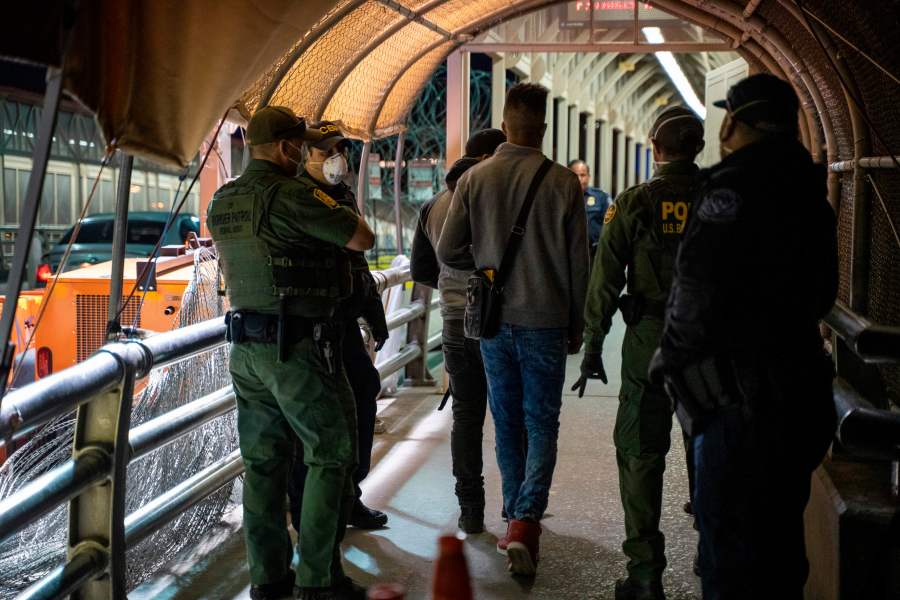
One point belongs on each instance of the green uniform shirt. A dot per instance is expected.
(290, 217)
(636, 246)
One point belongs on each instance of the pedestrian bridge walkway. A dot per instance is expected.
(411, 480)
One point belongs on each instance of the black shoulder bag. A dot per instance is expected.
(484, 292)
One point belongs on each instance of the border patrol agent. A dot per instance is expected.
(596, 202)
(741, 352)
(281, 247)
(325, 169)
(640, 238)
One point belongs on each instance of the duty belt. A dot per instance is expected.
(242, 326)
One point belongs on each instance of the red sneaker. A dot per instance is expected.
(522, 547)
(503, 542)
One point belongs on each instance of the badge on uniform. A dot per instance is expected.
(720, 206)
(610, 214)
(325, 198)
(591, 201)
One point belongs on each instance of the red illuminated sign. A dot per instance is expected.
(585, 5)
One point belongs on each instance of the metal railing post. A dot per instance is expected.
(97, 516)
(118, 258)
(28, 220)
(417, 333)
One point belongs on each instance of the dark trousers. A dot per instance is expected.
(752, 485)
(462, 360)
(366, 385)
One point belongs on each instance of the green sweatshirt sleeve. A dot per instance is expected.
(608, 278)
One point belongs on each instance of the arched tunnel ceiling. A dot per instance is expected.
(158, 84)
(364, 63)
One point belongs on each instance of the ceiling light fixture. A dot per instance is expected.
(673, 70)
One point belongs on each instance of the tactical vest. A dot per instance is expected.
(669, 201)
(259, 273)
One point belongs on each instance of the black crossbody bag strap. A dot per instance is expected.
(518, 230)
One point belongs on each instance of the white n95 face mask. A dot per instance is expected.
(334, 168)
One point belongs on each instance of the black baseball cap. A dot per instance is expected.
(484, 142)
(324, 135)
(763, 102)
(272, 123)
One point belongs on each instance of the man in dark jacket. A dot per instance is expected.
(741, 352)
(326, 167)
(462, 357)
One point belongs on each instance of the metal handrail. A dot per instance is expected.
(168, 427)
(51, 489)
(872, 342)
(405, 315)
(864, 429)
(112, 370)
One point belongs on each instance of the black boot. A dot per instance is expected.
(310, 593)
(471, 519)
(274, 591)
(363, 517)
(629, 589)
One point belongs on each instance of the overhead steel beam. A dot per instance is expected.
(627, 47)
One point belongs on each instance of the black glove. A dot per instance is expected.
(591, 368)
(656, 372)
(380, 336)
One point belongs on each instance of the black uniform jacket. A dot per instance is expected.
(757, 266)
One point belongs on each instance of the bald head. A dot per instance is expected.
(524, 114)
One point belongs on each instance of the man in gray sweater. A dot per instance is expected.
(542, 312)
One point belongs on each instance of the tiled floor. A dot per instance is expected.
(412, 482)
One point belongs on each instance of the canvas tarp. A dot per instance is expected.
(160, 73)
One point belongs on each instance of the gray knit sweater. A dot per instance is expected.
(548, 280)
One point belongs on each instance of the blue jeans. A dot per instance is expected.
(525, 370)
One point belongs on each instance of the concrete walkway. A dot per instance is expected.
(411, 480)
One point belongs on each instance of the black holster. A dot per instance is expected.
(707, 386)
(635, 307)
(632, 308)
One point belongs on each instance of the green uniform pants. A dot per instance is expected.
(277, 404)
(641, 436)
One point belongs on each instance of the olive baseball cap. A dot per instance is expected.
(272, 123)
(763, 102)
(674, 124)
(324, 135)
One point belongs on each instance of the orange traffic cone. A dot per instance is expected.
(386, 591)
(451, 575)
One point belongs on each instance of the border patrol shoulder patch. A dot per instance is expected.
(610, 214)
(720, 206)
(325, 198)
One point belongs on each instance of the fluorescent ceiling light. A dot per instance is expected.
(673, 70)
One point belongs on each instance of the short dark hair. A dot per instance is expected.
(578, 161)
(526, 109)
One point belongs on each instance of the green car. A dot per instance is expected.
(94, 242)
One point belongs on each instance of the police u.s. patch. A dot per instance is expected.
(325, 198)
(673, 215)
(720, 206)
(610, 214)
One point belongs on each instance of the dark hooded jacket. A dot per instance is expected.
(424, 264)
